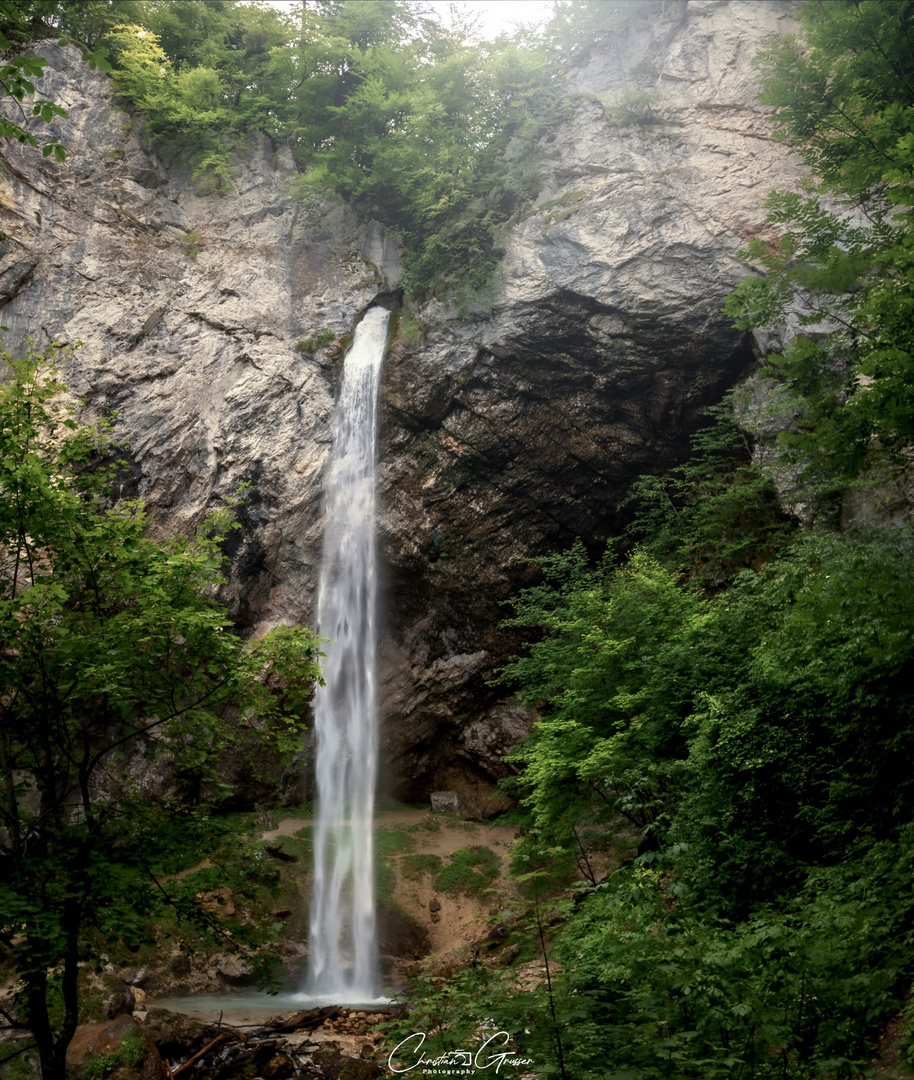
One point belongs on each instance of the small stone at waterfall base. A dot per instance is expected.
(445, 802)
(434, 905)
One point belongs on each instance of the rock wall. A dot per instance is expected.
(509, 435)
(506, 433)
(190, 304)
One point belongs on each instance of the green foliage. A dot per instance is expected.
(22, 22)
(409, 330)
(391, 841)
(416, 867)
(405, 119)
(578, 27)
(634, 107)
(213, 170)
(757, 732)
(17, 79)
(448, 1012)
(737, 689)
(129, 1055)
(790, 992)
(114, 647)
(191, 243)
(796, 756)
(844, 91)
(610, 679)
(766, 929)
(389, 844)
(845, 95)
(18, 1061)
(470, 871)
(714, 515)
(316, 341)
(426, 129)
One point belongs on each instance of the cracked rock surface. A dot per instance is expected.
(506, 432)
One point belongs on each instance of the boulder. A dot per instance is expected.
(445, 802)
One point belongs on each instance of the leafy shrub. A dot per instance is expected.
(130, 1054)
(191, 243)
(315, 341)
(409, 329)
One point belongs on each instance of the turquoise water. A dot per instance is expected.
(249, 1008)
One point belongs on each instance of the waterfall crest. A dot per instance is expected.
(343, 952)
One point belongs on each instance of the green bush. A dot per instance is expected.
(130, 1054)
(315, 341)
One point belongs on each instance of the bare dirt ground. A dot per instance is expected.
(461, 919)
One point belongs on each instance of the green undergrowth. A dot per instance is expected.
(469, 871)
(129, 1055)
(429, 824)
(720, 759)
(389, 846)
(416, 867)
(409, 329)
(389, 842)
(316, 341)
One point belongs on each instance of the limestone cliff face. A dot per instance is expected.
(190, 305)
(506, 433)
(511, 435)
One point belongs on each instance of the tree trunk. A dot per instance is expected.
(50, 1052)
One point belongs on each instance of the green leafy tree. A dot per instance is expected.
(17, 82)
(113, 646)
(20, 24)
(612, 679)
(844, 95)
(797, 749)
(714, 515)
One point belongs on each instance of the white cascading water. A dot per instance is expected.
(343, 952)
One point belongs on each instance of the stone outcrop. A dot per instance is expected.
(507, 432)
(190, 304)
(512, 433)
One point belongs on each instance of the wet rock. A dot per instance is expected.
(181, 965)
(400, 936)
(234, 969)
(277, 852)
(135, 976)
(512, 432)
(93, 1041)
(266, 819)
(337, 1066)
(96, 1040)
(122, 1004)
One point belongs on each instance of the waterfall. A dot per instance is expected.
(343, 960)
